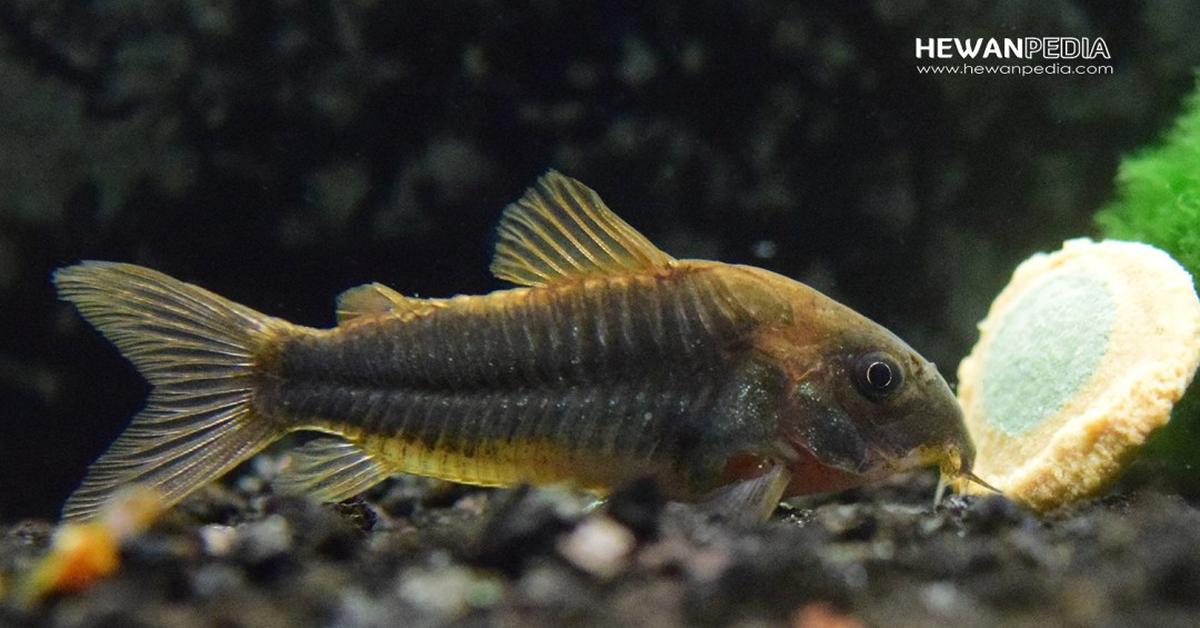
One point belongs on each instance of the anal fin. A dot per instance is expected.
(330, 469)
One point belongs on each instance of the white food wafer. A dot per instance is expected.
(1081, 356)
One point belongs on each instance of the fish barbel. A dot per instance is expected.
(611, 361)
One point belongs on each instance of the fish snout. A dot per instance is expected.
(948, 437)
(933, 433)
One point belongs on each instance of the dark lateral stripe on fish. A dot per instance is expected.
(584, 417)
(528, 339)
(628, 423)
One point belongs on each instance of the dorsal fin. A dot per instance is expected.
(373, 298)
(561, 230)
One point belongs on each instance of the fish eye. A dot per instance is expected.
(876, 375)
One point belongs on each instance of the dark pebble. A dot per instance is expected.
(323, 528)
(357, 512)
(638, 506)
(444, 494)
(524, 525)
(401, 497)
(994, 512)
(766, 584)
(215, 503)
(849, 522)
(1010, 589)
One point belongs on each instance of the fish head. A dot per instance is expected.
(860, 404)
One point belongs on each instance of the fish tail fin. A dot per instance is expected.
(199, 352)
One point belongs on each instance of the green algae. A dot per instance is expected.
(1158, 193)
(1158, 202)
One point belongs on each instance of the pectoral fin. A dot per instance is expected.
(330, 469)
(749, 500)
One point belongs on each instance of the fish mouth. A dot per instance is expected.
(881, 463)
(953, 470)
(952, 465)
(872, 463)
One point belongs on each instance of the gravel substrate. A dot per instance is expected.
(417, 553)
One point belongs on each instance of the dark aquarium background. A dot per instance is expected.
(278, 152)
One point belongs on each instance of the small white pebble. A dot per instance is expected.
(445, 592)
(599, 546)
(263, 539)
(217, 539)
(941, 597)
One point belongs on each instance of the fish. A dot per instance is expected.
(609, 361)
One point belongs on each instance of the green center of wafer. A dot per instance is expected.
(1047, 347)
